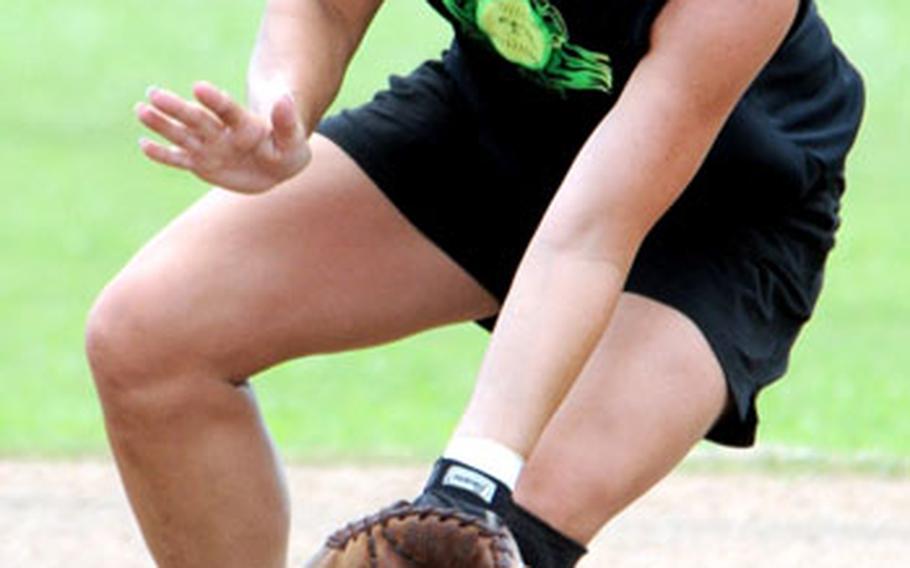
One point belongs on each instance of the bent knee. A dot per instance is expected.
(135, 337)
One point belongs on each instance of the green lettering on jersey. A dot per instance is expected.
(533, 35)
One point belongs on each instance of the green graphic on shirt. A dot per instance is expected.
(533, 35)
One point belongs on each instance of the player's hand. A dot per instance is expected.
(222, 142)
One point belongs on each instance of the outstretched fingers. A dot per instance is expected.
(197, 119)
(220, 103)
(169, 156)
(171, 130)
(220, 141)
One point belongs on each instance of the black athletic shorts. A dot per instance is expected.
(739, 254)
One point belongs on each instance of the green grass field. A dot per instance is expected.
(79, 199)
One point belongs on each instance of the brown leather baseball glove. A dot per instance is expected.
(409, 536)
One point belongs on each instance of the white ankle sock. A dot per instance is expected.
(489, 456)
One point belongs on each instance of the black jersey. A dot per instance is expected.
(560, 65)
(563, 45)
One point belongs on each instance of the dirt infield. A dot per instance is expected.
(75, 515)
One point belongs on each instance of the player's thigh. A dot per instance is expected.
(651, 390)
(321, 263)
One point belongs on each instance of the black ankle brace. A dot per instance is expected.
(460, 486)
(466, 488)
(541, 545)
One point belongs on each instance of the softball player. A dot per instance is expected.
(641, 196)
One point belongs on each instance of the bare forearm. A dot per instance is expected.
(305, 46)
(571, 277)
(556, 310)
(626, 176)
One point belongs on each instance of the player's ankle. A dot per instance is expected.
(462, 486)
(486, 455)
(541, 545)
(474, 475)
(458, 485)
